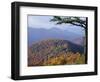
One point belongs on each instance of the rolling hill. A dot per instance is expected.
(43, 50)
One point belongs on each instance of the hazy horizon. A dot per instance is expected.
(40, 27)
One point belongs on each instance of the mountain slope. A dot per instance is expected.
(41, 51)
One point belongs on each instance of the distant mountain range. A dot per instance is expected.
(80, 41)
(39, 34)
(42, 50)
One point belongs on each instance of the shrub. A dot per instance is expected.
(66, 58)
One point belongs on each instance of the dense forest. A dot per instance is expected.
(55, 52)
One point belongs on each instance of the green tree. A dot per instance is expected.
(77, 21)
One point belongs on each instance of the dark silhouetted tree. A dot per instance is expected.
(77, 21)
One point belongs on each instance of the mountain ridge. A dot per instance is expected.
(37, 34)
(40, 51)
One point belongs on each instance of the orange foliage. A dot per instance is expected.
(66, 58)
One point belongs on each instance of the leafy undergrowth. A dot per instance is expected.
(68, 58)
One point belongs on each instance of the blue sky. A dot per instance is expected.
(35, 21)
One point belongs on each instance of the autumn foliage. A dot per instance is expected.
(55, 52)
(68, 58)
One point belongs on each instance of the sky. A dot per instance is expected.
(39, 21)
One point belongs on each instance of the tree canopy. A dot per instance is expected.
(77, 21)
